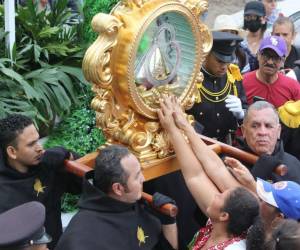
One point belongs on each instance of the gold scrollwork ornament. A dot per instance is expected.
(96, 62)
(125, 110)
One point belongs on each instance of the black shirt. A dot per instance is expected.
(293, 56)
(106, 223)
(44, 183)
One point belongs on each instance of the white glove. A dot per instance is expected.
(234, 104)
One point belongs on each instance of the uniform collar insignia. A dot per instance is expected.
(38, 186)
(141, 235)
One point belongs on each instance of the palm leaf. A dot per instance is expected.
(48, 31)
(67, 83)
(30, 92)
(74, 71)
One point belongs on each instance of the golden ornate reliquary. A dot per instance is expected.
(145, 49)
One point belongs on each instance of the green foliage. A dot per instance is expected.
(43, 78)
(69, 203)
(78, 131)
(2, 33)
(90, 9)
(13, 86)
(46, 36)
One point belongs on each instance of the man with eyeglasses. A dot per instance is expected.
(267, 82)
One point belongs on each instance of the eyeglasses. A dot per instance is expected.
(267, 55)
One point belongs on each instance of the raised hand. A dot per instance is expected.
(165, 113)
(178, 114)
(241, 173)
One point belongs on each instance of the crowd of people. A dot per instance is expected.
(249, 98)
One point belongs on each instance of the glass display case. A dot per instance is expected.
(145, 49)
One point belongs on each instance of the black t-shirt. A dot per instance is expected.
(292, 57)
(104, 223)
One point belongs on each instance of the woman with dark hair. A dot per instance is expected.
(233, 212)
(255, 23)
(241, 210)
(285, 236)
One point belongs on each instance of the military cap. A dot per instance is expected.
(224, 45)
(23, 226)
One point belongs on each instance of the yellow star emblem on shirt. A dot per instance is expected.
(38, 187)
(141, 235)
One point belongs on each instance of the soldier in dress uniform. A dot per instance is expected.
(23, 228)
(221, 98)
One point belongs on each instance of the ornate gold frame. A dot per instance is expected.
(121, 112)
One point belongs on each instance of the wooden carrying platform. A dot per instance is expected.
(170, 164)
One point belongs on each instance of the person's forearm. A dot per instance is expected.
(210, 161)
(251, 186)
(195, 178)
(171, 234)
(190, 165)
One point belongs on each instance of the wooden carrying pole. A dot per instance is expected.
(80, 169)
(239, 154)
(161, 167)
(86, 163)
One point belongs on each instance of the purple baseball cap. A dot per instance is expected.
(275, 43)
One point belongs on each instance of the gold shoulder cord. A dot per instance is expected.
(233, 75)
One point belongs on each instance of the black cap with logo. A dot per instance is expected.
(224, 45)
(23, 226)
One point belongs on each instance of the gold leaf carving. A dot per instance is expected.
(161, 145)
(96, 62)
(196, 6)
(141, 139)
(125, 111)
(199, 77)
(103, 104)
(133, 3)
(207, 39)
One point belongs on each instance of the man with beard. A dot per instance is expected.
(255, 23)
(267, 82)
(29, 173)
(111, 215)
